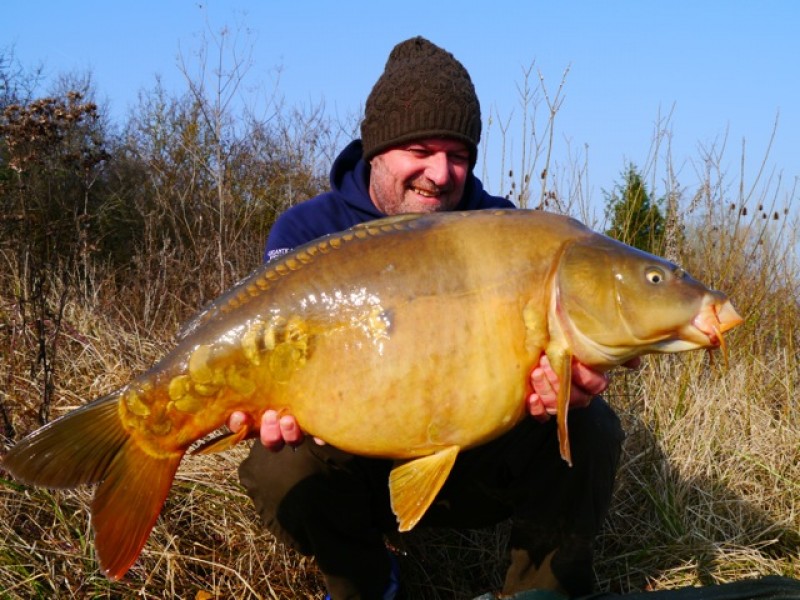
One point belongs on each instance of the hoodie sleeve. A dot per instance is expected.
(347, 203)
(288, 232)
(310, 220)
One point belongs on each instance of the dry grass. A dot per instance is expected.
(710, 485)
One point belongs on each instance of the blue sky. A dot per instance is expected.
(719, 68)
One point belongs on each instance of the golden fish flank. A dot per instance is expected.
(410, 338)
(283, 343)
(258, 339)
(291, 350)
(135, 404)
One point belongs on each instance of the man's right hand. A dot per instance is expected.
(274, 431)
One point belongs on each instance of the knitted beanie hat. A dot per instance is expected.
(423, 92)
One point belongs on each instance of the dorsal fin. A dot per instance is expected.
(267, 274)
(388, 221)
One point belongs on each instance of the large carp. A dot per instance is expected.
(410, 338)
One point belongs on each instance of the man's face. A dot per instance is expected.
(423, 176)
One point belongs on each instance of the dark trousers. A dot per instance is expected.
(335, 506)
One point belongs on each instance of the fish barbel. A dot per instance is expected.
(409, 338)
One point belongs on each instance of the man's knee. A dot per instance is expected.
(267, 476)
(596, 431)
(284, 487)
(314, 492)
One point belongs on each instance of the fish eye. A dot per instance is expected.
(655, 275)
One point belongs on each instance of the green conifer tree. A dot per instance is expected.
(634, 218)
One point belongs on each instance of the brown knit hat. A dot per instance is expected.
(423, 92)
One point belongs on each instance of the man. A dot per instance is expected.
(419, 143)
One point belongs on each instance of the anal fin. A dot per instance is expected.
(222, 442)
(413, 485)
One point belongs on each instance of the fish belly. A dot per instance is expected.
(421, 374)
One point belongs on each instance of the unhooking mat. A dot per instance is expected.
(765, 588)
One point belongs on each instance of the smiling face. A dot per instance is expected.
(420, 177)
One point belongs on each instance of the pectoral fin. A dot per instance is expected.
(413, 485)
(561, 362)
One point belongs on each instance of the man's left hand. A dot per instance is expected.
(586, 384)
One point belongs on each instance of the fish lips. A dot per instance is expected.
(716, 318)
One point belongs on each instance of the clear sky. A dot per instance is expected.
(719, 67)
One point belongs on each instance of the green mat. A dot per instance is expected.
(765, 588)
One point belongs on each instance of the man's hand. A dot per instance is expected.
(274, 431)
(586, 384)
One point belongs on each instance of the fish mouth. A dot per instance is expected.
(713, 320)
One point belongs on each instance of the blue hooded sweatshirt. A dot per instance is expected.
(348, 203)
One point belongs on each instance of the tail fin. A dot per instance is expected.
(90, 445)
(72, 450)
(126, 505)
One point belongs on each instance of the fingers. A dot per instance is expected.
(542, 402)
(237, 420)
(545, 381)
(537, 409)
(270, 431)
(586, 383)
(276, 432)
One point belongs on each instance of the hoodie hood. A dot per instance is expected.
(348, 203)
